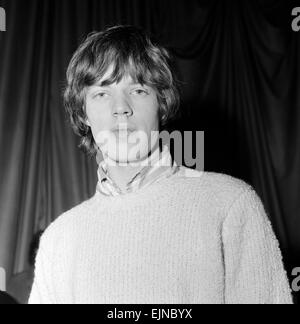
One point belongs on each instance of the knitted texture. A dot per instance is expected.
(193, 238)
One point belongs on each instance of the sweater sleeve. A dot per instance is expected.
(254, 271)
(42, 289)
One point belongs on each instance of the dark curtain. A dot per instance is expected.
(239, 66)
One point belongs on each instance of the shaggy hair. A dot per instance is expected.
(131, 52)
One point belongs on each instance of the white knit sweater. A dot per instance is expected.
(190, 239)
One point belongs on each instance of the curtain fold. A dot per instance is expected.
(238, 62)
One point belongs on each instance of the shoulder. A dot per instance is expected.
(65, 224)
(222, 187)
(237, 200)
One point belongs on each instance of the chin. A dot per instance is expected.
(133, 149)
(127, 155)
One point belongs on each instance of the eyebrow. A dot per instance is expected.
(104, 83)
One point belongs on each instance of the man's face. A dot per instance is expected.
(123, 117)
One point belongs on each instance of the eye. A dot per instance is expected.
(99, 95)
(140, 92)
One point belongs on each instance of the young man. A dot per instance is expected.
(154, 232)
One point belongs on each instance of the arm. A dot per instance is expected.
(42, 290)
(254, 272)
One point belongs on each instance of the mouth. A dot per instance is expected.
(122, 128)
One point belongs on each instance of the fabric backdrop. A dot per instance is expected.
(239, 63)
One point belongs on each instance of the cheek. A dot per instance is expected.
(153, 121)
(151, 114)
(96, 117)
(148, 122)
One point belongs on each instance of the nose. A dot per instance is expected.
(121, 106)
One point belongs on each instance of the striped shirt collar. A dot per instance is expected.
(157, 166)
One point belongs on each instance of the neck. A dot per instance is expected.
(122, 174)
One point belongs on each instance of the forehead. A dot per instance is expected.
(127, 72)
